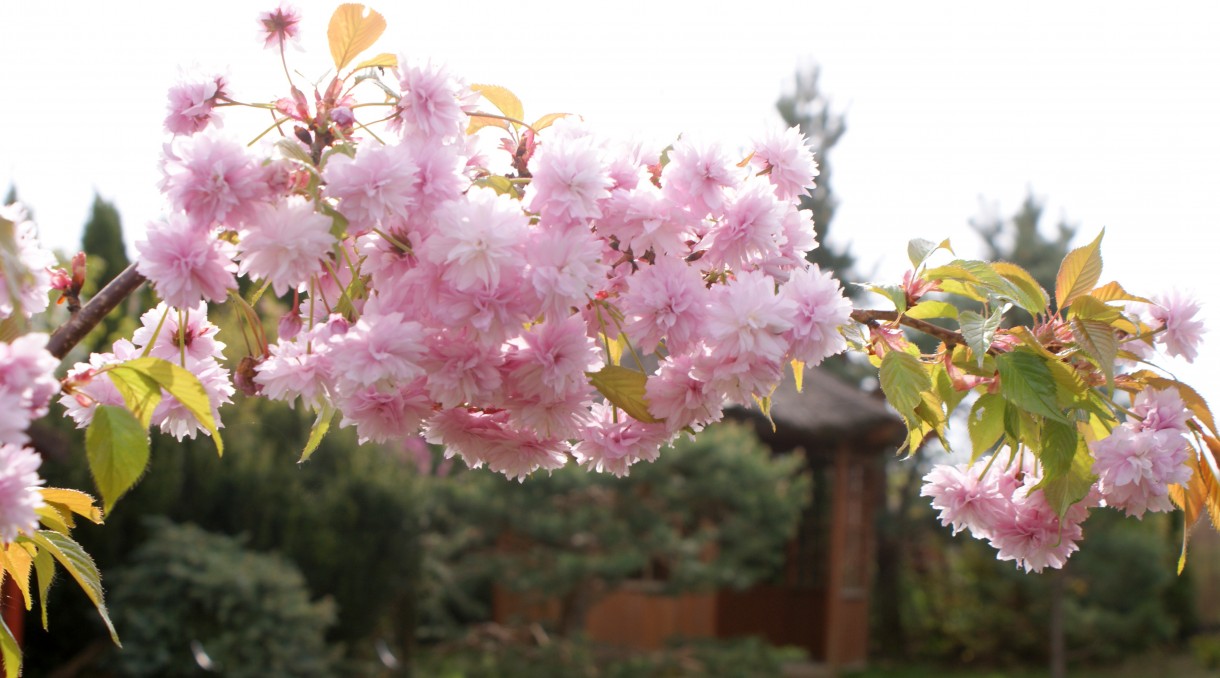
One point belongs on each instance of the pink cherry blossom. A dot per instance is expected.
(375, 189)
(19, 491)
(460, 369)
(1031, 534)
(173, 418)
(697, 176)
(552, 415)
(1161, 410)
(27, 384)
(301, 366)
(751, 229)
(285, 244)
(821, 309)
(29, 269)
(385, 412)
(213, 180)
(745, 316)
(434, 103)
(565, 269)
(192, 105)
(524, 453)
(787, 161)
(1178, 314)
(474, 239)
(551, 359)
(377, 348)
(468, 433)
(195, 336)
(676, 395)
(1136, 467)
(569, 180)
(667, 300)
(967, 496)
(184, 265)
(614, 441)
(279, 26)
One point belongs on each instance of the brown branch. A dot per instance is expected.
(870, 317)
(91, 314)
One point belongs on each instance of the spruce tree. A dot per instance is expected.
(103, 240)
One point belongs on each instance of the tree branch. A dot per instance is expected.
(91, 314)
(870, 317)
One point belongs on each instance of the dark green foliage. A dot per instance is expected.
(576, 535)
(576, 658)
(188, 591)
(808, 108)
(102, 240)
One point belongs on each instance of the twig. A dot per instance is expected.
(869, 317)
(91, 314)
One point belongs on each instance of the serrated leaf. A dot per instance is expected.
(78, 564)
(17, 564)
(44, 572)
(116, 445)
(383, 60)
(75, 501)
(1059, 444)
(502, 99)
(1092, 308)
(979, 332)
(903, 380)
(1099, 342)
(985, 424)
(1033, 297)
(624, 388)
(183, 386)
(1112, 291)
(1192, 499)
(353, 28)
(140, 393)
(50, 518)
(293, 150)
(321, 426)
(10, 650)
(478, 121)
(1073, 485)
(1026, 382)
(894, 293)
(918, 250)
(928, 309)
(930, 413)
(1079, 272)
(547, 120)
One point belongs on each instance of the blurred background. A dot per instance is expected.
(1016, 133)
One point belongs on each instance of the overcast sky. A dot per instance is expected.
(1110, 111)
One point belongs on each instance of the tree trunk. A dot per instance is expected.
(1057, 640)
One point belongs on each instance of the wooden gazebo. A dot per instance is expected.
(821, 601)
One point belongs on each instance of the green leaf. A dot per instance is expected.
(1079, 272)
(44, 571)
(918, 250)
(1026, 382)
(320, 427)
(904, 379)
(116, 445)
(1099, 342)
(894, 293)
(979, 332)
(1071, 486)
(1032, 297)
(928, 309)
(183, 386)
(1059, 443)
(986, 424)
(10, 650)
(140, 392)
(353, 28)
(78, 564)
(625, 389)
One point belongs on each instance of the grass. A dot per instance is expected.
(1153, 665)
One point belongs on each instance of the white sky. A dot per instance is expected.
(1110, 110)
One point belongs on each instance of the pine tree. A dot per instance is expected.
(103, 240)
(808, 108)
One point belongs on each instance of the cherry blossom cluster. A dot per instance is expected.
(426, 298)
(995, 499)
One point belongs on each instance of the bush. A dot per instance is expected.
(192, 602)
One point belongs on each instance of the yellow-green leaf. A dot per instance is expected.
(18, 563)
(928, 309)
(985, 424)
(625, 388)
(478, 121)
(1071, 486)
(44, 570)
(50, 518)
(903, 380)
(1079, 272)
(320, 427)
(118, 452)
(10, 650)
(353, 28)
(504, 100)
(140, 392)
(1112, 291)
(1027, 383)
(383, 60)
(547, 120)
(78, 564)
(183, 386)
(798, 374)
(1033, 296)
(74, 501)
(1091, 308)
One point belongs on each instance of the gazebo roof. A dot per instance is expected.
(827, 410)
